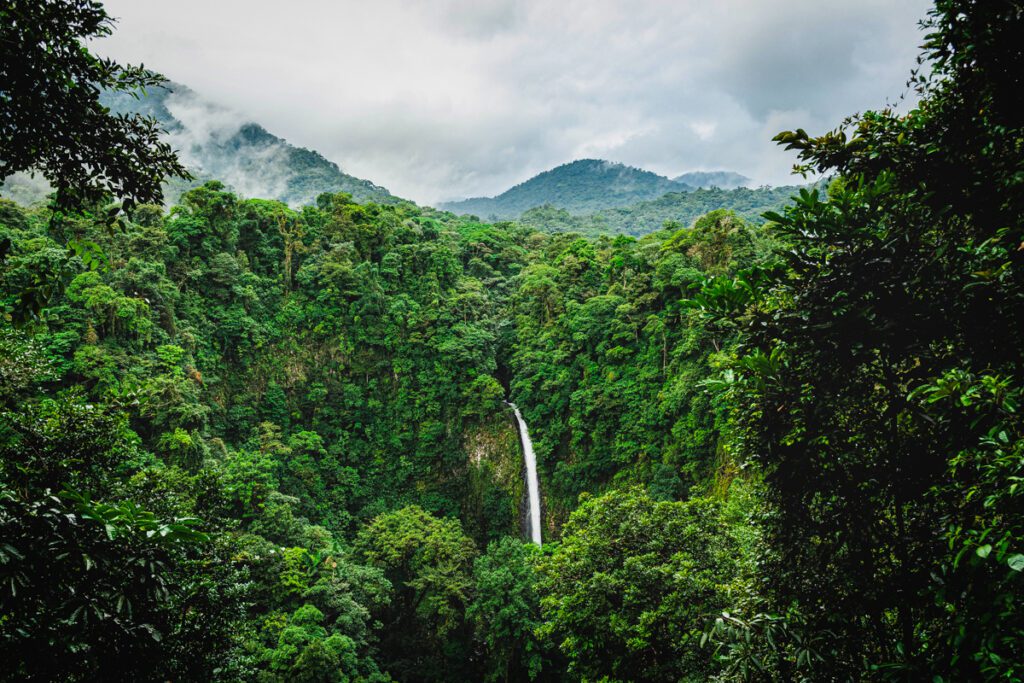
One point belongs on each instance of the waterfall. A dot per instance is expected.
(532, 485)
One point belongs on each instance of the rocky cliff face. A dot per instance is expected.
(494, 469)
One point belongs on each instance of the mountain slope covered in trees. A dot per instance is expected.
(578, 187)
(318, 385)
(596, 197)
(216, 143)
(674, 208)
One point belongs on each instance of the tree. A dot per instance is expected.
(307, 651)
(631, 586)
(51, 119)
(506, 610)
(90, 588)
(429, 561)
(880, 372)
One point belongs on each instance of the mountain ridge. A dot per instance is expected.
(580, 186)
(217, 143)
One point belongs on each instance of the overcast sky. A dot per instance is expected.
(442, 99)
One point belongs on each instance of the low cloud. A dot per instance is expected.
(201, 140)
(451, 98)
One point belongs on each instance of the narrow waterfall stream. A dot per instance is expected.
(532, 485)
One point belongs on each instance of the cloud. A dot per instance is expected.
(449, 98)
(253, 171)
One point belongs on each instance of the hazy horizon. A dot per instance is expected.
(451, 99)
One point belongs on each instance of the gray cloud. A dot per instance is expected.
(449, 98)
(255, 173)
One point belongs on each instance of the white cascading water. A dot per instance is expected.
(532, 485)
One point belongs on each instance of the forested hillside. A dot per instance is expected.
(578, 187)
(594, 197)
(303, 382)
(244, 441)
(675, 208)
(218, 144)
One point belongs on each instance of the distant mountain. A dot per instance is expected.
(217, 143)
(726, 180)
(579, 187)
(650, 215)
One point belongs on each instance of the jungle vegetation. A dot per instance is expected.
(241, 441)
(674, 209)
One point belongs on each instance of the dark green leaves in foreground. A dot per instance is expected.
(878, 380)
(87, 587)
(51, 120)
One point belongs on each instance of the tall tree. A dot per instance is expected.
(627, 591)
(882, 369)
(430, 563)
(51, 119)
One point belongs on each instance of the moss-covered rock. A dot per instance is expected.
(495, 476)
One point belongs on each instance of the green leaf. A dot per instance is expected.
(1016, 562)
(984, 550)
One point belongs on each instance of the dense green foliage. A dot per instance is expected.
(429, 562)
(323, 389)
(607, 363)
(630, 586)
(94, 588)
(879, 383)
(224, 376)
(673, 209)
(241, 442)
(506, 610)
